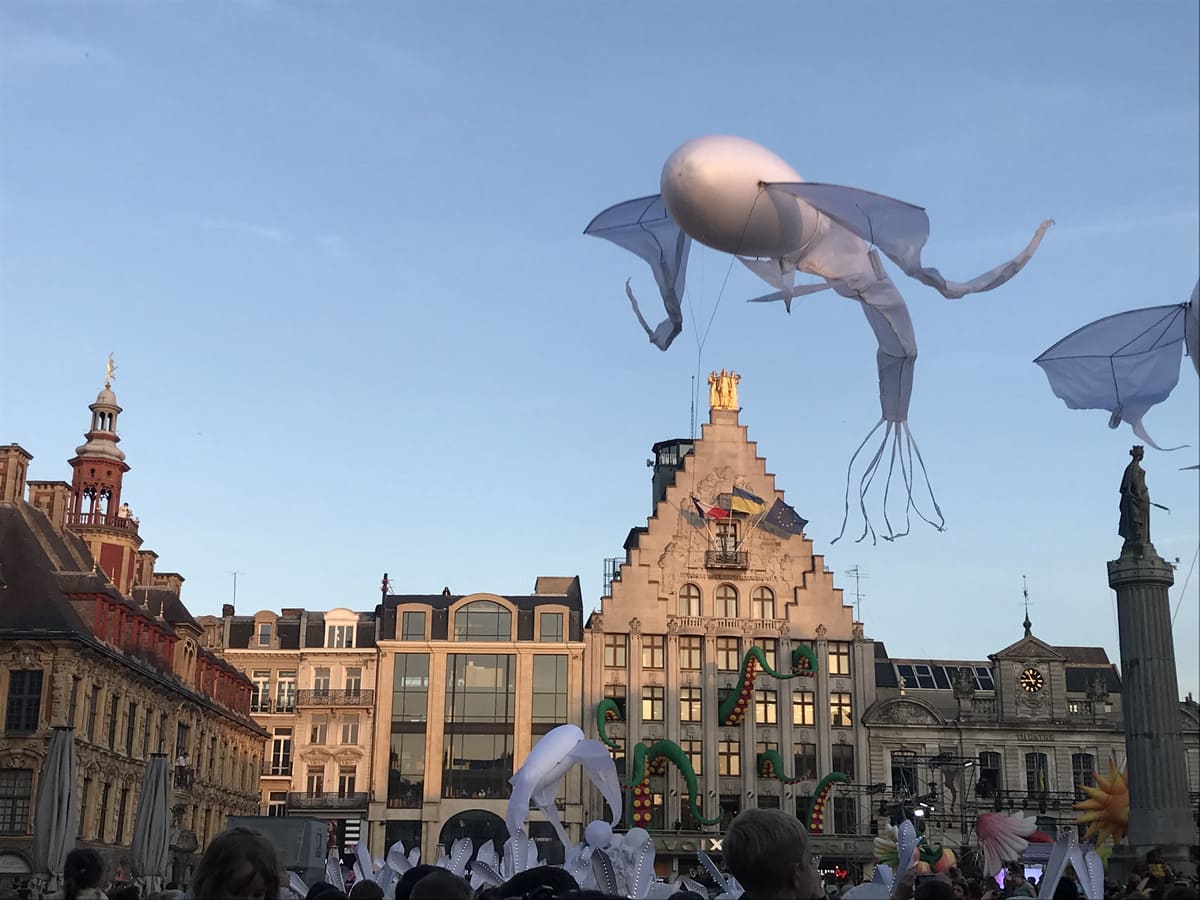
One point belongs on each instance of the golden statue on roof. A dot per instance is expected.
(110, 370)
(722, 390)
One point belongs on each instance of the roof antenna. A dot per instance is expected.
(858, 575)
(693, 414)
(1025, 592)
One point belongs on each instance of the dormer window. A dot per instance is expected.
(264, 634)
(339, 636)
(483, 620)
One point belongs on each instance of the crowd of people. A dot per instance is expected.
(765, 850)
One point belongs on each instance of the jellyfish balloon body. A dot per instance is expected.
(1125, 363)
(737, 197)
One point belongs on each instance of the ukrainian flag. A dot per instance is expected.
(744, 501)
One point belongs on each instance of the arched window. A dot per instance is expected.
(727, 601)
(689, 600)
(483, 620)
(762, 603)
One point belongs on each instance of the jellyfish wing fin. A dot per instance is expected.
(900, 230)
(645, 228)
(1124, 363)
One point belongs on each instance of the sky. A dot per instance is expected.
(336, 249)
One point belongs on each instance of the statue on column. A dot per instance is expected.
(722, 390)
(1135, 504)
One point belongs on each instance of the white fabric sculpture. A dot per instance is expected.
(1083, 859)
(1125, 363)
(1003, 837)
(737, 197)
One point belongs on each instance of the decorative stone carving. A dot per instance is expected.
(711, 626)
(673, 625)
(785, 631)
(597, 622)
(857, 631)
(905, 712)
(635, 625)
(822, 631)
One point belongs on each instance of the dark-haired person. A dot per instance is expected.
(83, 875)
(239, 864)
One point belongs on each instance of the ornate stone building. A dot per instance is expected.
(467, 685)
(93, 638)
(313, 689)
(721, 566)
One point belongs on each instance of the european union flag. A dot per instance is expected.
(782, 520)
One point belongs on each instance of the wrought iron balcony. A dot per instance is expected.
(335, 698)
(726, 559)
(328, 801)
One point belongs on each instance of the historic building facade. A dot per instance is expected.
(313, 680)
(94, 639)
(723, 566)
(467, 685)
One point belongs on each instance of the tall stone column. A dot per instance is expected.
(1159, 815)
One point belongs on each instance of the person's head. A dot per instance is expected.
(83, 869)
(933, 887)
(441, 885)
(1137, 452)
(366, 890)
(323, 890)
(1016, 875)
(767, 852)
(129, 892)
(239, 864)
(552, 877)
(405, 885)
(960, 889)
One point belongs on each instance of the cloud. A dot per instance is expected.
(31, 49)
(248, 229)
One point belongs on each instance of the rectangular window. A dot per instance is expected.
(804, 708)
(617, 693)
(983, 679)
(321, 680)
(122, 808)
(766, 708)
(616, 651)
(481, 687)
(113, 706)
(694, 750)
(652, 703)
(16, 790)
(412, 625)
(314, 782)
(339, 636)
(839, 658)
(551, 627)
(102, 818)
(1083, 771)
(146, 733)
(728, 658)
(654, 651)
(281, 752)
(729, 757)
(990, 767)
(410, 687)
(285, 692)
(130, 727)
(347, 779)
(264, 634)
(1037, 774)
(83, 806)
(843, 759)
(804, 758)
(689, 704)
(727, 535)
(24, 700)
(904, 775)
(406, 770)
(549, 689)
(689, 652)
(260, 691)
(769, 647)
(350, 730)
(353, 680)
(845, 815)
(317, 731)
(277, 803)
(477, 766)
(731, 805)
(73, 707)
(839, 710)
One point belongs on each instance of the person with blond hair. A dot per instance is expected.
(766, 850)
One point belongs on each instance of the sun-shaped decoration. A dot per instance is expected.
(1106, 811)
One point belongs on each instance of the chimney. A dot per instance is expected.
(52, 498)
(145, 567)
(14, 463)
(171, 581)
(227, 610)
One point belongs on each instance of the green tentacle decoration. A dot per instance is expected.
(804, 660)
(770, 765)
(607, 711)
(649, 761)
(816, 815)
(733, 710)
(652, 760)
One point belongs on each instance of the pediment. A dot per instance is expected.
(902, 711)
(1028, 648)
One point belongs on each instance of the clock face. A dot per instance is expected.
(1031, 680)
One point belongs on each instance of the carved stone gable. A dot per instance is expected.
(904, 711)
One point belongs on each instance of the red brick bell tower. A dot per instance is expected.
(97, 513)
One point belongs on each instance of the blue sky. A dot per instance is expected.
(336, 249)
